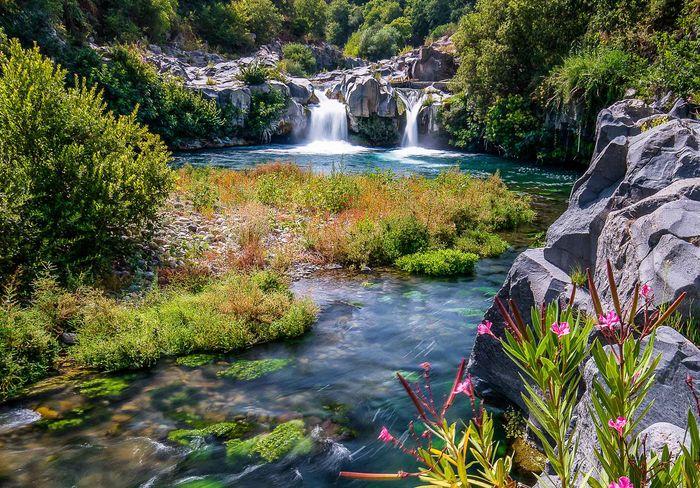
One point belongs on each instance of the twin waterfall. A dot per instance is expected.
(329, 121)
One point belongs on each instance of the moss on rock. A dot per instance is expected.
(195, 360)
(249, 370)
(221, 430)
(286, 438)
(104, 387)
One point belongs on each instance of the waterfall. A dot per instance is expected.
(414, 102)
(329, 122)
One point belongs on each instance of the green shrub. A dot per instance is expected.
(338, 27)
(299, 55)
(222, 26)
(377, 131)
(482, 243)
(460, 118)
(364, 244)
(27, 348)
(403, 235)
(332, 194)
(253, 74)
(676, 68)
(309, 18)
(164, 104)
(266, 108)
(441, 262)
(235, 313)
(261, 17)
(512, 127)
(73, 178)
(380, 43)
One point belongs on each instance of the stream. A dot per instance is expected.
(339, 378)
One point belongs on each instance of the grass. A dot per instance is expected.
(440, 262)
(236, 312)
(371, 218)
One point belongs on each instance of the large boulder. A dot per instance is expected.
(637, 205)
(432, 64)
(669, 396)
(362, 96)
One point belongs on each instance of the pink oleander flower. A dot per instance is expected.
(425, 366)
(484, 328)
(608, 321)
(385, 436)
(623, 482)
(646, 292)
(466, 387)
(561, 329)
(618, 425)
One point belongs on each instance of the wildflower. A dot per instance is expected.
(425, 365)
(608, 321)
(385, 436)
(647, 292)
(618, 425)
(561, 329)
(623, 482)
(484, 328)
(466, 387)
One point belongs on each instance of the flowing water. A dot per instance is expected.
(413, 99)
(338, 379)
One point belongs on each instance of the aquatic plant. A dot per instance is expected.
(195, 360)
(286, 438)
(549, 351)
(246, 370)
(440, 262)
(221, 430)
(104, 387)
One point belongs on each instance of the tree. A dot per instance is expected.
(74, 178)
(261, 17)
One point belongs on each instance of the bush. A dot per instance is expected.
(261, 17)
(27, 348)
(338, 27)
(73, 178)
(481, 243)
(460, 118)
(377, 131)
(403, 235)
(300, 57)
(309, 18)
(441, 262)
(265, 111)
(235, 313)
(164, 104)
(376, 44)
(222, 26)
(253, 74)
(676, 68)
(512, 127)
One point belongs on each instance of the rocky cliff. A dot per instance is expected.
(637, 205)
(375, 94)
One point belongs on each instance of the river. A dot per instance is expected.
(339, 378)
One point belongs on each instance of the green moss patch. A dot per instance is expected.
(195, 360)
(441, 262)
(285, 439)
(245, 370)
(104, 387)
(221, 430)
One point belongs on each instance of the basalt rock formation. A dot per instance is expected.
(637, 205)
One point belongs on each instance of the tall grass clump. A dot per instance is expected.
(376, 218)
(236, 312)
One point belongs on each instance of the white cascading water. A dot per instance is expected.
(329, 122)
(414, 102)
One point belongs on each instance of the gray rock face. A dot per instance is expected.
(670, 397)
(637, 205)
(432, 64)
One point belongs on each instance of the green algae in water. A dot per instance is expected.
(221, 430)
(59, 425)
(245, 370)
(410, 376)
(195, 360)
(104, 387)
(287, 438)
(414, 295)
(203, 483)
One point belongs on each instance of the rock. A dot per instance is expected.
(532, 280)
(669, 395)
(362, 96)
(300, 90)
(662, 434)
(619, 120)
(432, 64)
(69, 338)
